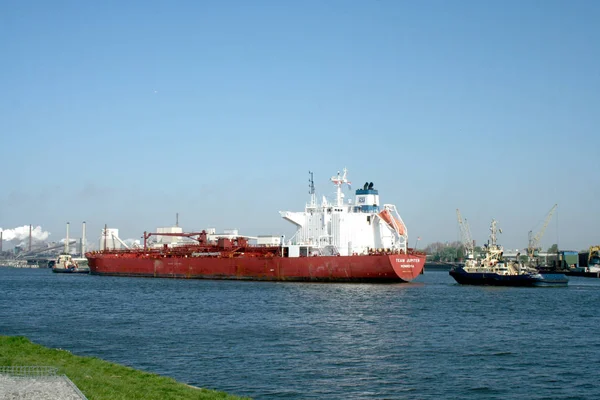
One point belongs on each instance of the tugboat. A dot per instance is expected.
(494, 270)
(592, 270)
(65, 263)
(594, 260)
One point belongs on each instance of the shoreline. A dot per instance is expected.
(100, 379)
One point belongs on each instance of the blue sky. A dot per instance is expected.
(125, 113)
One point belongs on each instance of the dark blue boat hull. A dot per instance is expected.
(584, 274)
(70, 271)
(485, 278)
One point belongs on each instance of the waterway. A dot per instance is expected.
(428, 339)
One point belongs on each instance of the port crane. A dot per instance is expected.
(534, 241)
(465, 234)
(30, 253)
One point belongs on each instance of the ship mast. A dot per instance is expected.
(493, 251)
(493, 246)
(338, 181)
(493, 233)
(311, 190)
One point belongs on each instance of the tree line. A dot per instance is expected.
(455, 251)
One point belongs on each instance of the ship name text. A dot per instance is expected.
(407, 260)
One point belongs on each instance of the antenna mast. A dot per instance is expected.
(493, 230)
(338, 181)
(311, 190)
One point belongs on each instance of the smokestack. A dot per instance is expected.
(105, 233)
(67, 240)
(83, 240)
(176, 219)
(30, 238)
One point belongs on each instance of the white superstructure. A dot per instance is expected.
(348, 228)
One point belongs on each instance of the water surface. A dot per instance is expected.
(428, 339)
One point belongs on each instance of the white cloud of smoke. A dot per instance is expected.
(22, 233)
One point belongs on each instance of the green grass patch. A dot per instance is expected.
(98, 379)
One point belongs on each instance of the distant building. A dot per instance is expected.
(110, 239)
(169, 240)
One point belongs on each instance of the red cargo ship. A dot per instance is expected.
(334, 242)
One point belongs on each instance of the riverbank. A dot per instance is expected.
(98, 379)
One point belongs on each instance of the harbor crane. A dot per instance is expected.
(534, 241)
(465, 234)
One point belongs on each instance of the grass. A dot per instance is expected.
(98, 379)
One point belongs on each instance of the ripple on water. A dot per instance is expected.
(427, 340)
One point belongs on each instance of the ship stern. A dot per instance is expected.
(407, 266)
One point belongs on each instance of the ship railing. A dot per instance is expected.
(194, 251)
(250, 250)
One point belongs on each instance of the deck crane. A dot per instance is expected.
(534, 241)
(465, 233)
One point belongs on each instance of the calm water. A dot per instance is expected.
(428, 339)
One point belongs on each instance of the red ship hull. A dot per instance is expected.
(376, 268)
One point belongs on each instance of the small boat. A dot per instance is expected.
(66, 263)
(592, 269)
(594, 260)
(494, 270)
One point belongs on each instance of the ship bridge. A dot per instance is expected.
(352, 228)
